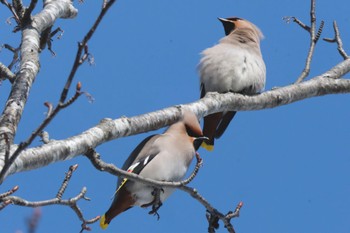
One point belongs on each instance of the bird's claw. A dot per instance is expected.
(155, 208)
(156, 203)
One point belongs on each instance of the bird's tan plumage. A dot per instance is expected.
(163, 157)
(235, 64)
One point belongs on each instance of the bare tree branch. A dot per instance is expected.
(314, 36)
(8, 193)
(29, 68)
(99, 164)
(82, 47)
(66, 180)
(71, 202)
(337, 39)
(4, 204)
(44, 137)
(5, 73)
(29, 10)
(15, 57)
(199, 164)
(13, 10)
(288, 19)
(10, 129)
(213, 218)
(327, 83)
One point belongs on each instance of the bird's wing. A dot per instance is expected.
(139, 158)
(136, 168)
(136, 152)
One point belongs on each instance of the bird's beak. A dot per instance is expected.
(197, 141)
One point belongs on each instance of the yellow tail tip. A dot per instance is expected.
(207, 146)
(103, 223)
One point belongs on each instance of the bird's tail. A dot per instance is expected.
(103, 223)
(225, 121)
(210, 124)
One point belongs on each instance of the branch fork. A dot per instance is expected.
(7, 198)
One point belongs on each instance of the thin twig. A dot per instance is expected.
(314, 36)
(74, 98)
(54, 32)
(49, 41)
(104, 3)
(81, 47)
(49, 109)
(319, 31)
(15, 52)
(19, 8)
(13, 11)
(313, 41)
(3, 201)
(235, 214)
(29, 10)
(337, 39)
(8, 193)
(4, 204)
(6, 73)
(45, 138)
(71, 202)
(199, 164)
(99, 164)
(46, 38)
(288, 19)
(66, 181)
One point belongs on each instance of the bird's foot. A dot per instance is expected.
(155, 208)
(156, 203)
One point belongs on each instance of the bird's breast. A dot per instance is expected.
(169, 165)
(225, 68)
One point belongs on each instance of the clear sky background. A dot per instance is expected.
(289, 165)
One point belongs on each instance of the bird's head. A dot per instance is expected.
(193, 128)
(191, 123)
(233, 23)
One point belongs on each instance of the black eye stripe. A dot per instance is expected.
(233, 18)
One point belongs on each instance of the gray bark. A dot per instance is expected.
(108, 129)
(29, 68)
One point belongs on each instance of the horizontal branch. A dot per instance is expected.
(108, 129)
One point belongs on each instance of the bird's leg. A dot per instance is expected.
(156, 203)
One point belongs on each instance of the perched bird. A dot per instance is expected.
(236, 65)
(162, 157)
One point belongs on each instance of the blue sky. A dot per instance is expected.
(289, 165)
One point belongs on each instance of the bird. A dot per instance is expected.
(161, 157)
(235, 65)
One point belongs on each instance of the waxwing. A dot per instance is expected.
(162, 157)
(236, 65)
